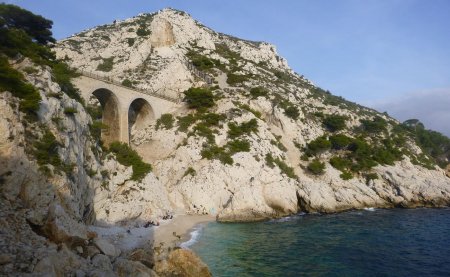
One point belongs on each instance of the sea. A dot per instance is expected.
(371, 242)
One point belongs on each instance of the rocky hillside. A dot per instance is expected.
(258, 142)
(269, 143)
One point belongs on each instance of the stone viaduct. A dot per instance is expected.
(123, 107)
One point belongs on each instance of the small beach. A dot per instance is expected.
(177, 230)
(169, 233)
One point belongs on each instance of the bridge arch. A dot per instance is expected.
(110, 114)
(140, 114)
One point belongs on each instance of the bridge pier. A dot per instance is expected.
(116, 103)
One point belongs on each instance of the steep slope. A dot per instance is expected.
(268, 143)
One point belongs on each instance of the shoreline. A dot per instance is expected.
(178, 230)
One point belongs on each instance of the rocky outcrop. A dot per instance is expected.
(183, 263)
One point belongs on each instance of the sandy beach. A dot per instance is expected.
(177, 230)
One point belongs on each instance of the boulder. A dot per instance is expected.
(126, 268)
(106, 247)
(183, 263)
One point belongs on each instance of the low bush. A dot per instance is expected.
(339, 141)
(214, 152)
(234, 79)
(106, 65)
(184, 122)
(292, 112)
(13, 81)
(258, 91)
(245, 128)
(63, 75)
(341, 164)
(205, 130)
(96, 129)
(319, 145)
(335, 122)
(129, 157)
(127, 83)
(130, 41)
(70, 110)
(374, 126)
(190, 171)
(142, 31)
(236, 146)
(199, 98)
(371, 176)
(346, 175)
(46, 150)
(166, 121)
(316, 167)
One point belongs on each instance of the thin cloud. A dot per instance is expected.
(430, 107)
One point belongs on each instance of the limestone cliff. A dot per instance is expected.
(261, 141)
(293, 161)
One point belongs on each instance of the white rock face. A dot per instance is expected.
(91, 187)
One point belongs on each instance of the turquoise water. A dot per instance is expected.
(397, 242)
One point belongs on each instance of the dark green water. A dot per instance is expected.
(395, 242)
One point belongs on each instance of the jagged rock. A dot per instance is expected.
(183, 263)
(60, 227)
(102, 262)
(126, 268)
(447, 170)
(144, 256)
(106, 247)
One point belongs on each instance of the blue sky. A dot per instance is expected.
(381, 53)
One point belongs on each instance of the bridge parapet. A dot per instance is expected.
(110, 80)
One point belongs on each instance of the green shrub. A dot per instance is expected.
(247, 108)
(142, 31)
(375, 126)
(127, 83)
(316, 167)
(13, 81)
(292, 112)
(282, 76)
(199, 98)
(46, 150)
(214, 152)
(165, 121)
(190, 171)
(234, 79)
(339, 141)
(335, 122)
(70, 110)
(319, 145)
(245, 128)
(346, 175)
(200, 61)
(130, 41)
(63, 75)
(258, 91)
(204, 130)
(106, 65)
(371, 176)
(129, 157)
(236, 146)
(212, 119)
(340, 163)
(96, 129)
(184, 122)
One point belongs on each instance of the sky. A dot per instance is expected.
(391, 55)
